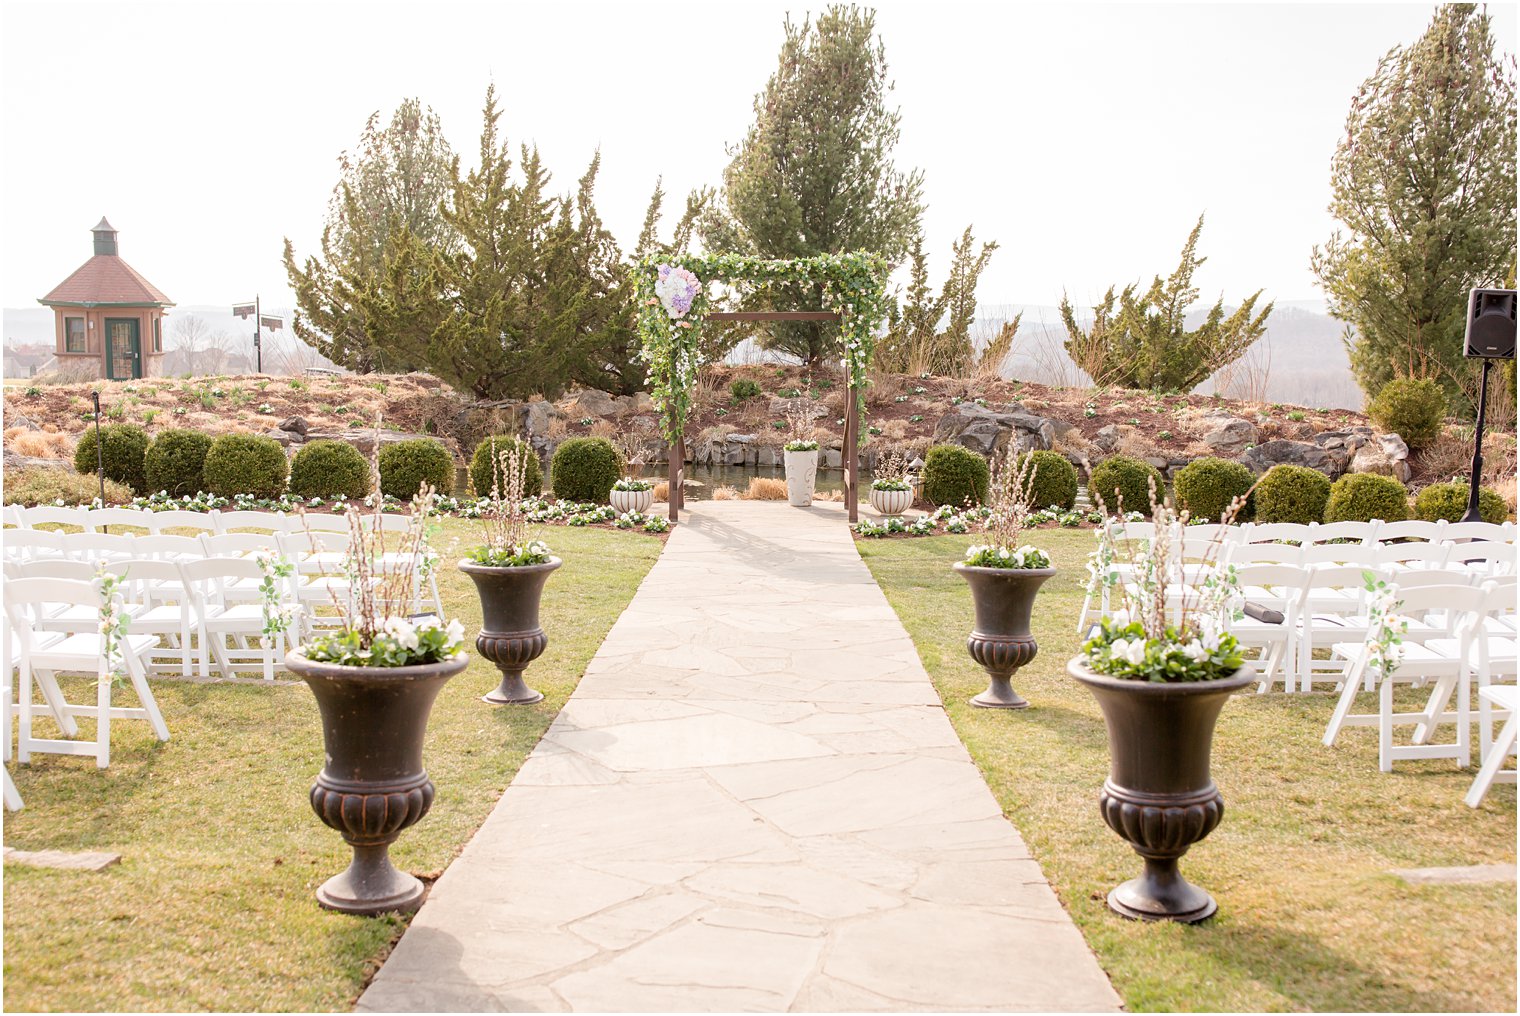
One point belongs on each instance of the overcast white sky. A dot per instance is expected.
(1085, 139)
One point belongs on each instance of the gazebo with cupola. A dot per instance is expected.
(110, 320)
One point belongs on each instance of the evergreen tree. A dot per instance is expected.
(369, 301)
(1143, 341)
(915, 341)
(1424, 183)
(815, 175)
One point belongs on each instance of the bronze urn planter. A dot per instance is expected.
(511, 636)
(1160, 796)
(374, 784)
(1001, 642)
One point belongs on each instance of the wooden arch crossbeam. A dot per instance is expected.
(676, 495)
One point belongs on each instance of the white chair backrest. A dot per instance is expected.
(24, 599)
(1411, 529)
(167, 548)
(45, 514)
(12, 515)
(97, 546)
(1286, 578)
(396, 522)
(26, 544)
(1361, 532)
(1265, 553)
(1202, 548)
(1359, 554)
(239, 544)
(207, 579)
(1266, 532)
(147, 578)
(321, 523)
(1456, 607)
(300, 544)
(56, 568)
(1416, 578)
(1339, 577)
(1432, 554)
(179, 518)
(1503, 532)
(1134, 530)
(1486, 556)
(273, 522)
(97, 518)
(1207, 531)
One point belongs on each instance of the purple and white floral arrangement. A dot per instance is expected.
(677, 289)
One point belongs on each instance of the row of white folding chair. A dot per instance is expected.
(40, 657)
(1446, 663)
(217, 599)
(215, 521)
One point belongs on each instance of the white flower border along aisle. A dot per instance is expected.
(673, 302)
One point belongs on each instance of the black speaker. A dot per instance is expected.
(1490, 324)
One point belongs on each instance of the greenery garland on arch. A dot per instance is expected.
(673, 304)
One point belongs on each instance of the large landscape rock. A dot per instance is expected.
(987, 432)
(595, 403)
(1297, 453)
(808, 409)
(1227, 435)
(1386, 454)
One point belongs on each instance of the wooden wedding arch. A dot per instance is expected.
(853, 284)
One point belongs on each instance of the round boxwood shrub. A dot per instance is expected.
(1362, 497)
(1206, 486)
(123, 447)
(406, 465)
(1449, 501)
(176, 462)
(245, 464)
(1413, 408)
(742, 388)
(1292, 494)
(1123, 484)
(584, 469)
(483, 470)
(329, 469)
(955, 476)
(1052, 480)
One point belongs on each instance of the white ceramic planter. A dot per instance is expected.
(801, 476)
(891, 502)
(624, 501)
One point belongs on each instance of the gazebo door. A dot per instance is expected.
(123, 349)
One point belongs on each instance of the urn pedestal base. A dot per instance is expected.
(1001, 658)
(1161, 894)
(510, 635)
(371, 885)
(512, 652)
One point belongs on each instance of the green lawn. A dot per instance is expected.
(1309, 916)
(212, 906)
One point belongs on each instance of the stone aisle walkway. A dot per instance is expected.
(753, 801)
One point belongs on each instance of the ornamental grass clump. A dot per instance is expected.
(1147, 638)
(1008, 502)
(507, 544)
(891, 472)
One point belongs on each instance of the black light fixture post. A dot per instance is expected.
(1490, 336)
(100, 449)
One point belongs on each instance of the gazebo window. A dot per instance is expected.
(73, 335)
(158, 335)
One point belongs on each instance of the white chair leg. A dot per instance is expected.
(149, 703)
(437, 597)
(1385, 724)
(47, 683)
(12, 795)
(1343, 707)
(1493, 762)
(103, 720)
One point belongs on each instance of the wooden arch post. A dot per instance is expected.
(676, 496)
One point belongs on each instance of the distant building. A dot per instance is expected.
(28, 360)
(110, 320)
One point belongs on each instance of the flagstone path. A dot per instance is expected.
(752, 801)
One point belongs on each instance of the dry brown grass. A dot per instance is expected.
(828, 495)
(38, 444)
(1506, 489)
(662, 491)
(605, 429)
(765, 488)
(725, 493)
(894, 430)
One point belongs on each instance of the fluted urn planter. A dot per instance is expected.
(801, 477)
(511, 636)
(625, 501)
(373, 785)
(1001, 642)
(891, 502)
(1159, 796)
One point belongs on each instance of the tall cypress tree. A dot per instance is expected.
(815, 175)
(1424, 183)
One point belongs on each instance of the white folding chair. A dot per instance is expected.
(240, 545)
(1279, 587)
(1505, 698)
(164, 610)
(96, 520)
(1242, 554)
(1319, 555)
(1484, 558)
(98, 546)
(12, 515)
(79, 651)
(320, 522)
(226, 522)
(1412, 529)
(1502, 532)
(162, 547)
(1421, 662)
(232, 631)
(1425, 556)
(1492, 655)
(1271, 532)
(31, 544)
(1354, 532)
(179, 518)
(1334, 611)
(49, 514)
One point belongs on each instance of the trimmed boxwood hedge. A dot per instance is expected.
(123, 449)
(1123, 484)
(585, 468)
(1413, 408)
(1291, 494)
(1205, 488)
(1449, 501)
(1362, 497)
(1053, 480)
(246, 464)
(955, 476)
(329, 469)
(176, 462)
(482, 469)
(406, 465)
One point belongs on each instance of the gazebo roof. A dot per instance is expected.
(106, 280)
